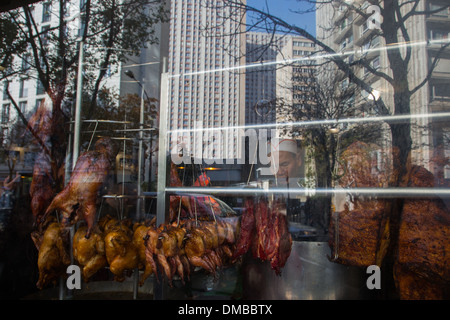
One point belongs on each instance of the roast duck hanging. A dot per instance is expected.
(79, 197)
(191, 240)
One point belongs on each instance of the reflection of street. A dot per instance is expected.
(308, 274)
(7, 198)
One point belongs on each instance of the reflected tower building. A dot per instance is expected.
(206, 87)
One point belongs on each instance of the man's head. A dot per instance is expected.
(284, 158)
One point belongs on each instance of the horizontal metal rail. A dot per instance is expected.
(380, 192)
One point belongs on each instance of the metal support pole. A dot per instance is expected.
(69, 152)
(139, 188)
(124, 162)
(76, 144)
(162, 204)
(141, 137)
(135, 283)
(77, 125)
(62, 288)
(70, 292)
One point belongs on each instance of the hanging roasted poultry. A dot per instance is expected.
(163, 249)
(222, 236)
(89, 252)
(209, 244)
(121, 253)
(177, 249)
(53, 256)
(80, 196)
(42, 187)
(151, 250)
(198, 249)
(48, 171)
(170, 252)
(139, 234)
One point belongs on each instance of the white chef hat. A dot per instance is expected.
(278, 144)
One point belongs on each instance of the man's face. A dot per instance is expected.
(285, 165)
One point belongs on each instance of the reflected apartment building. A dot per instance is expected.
(209, 87)
(280, 79)
(206, 86)
(28, 92)
(347, 32)
(26, 89)
(283, 79)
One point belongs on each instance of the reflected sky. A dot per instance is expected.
(284, 9)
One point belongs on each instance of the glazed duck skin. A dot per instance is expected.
(53, 257)
(90, 253)
(81, 193)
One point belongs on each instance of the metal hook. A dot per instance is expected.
(92, 136)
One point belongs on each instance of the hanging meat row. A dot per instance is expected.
(172, 249)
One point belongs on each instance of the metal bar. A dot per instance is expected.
(76, 138)
(141, 136)
(69, 152)
(382, 192)
(104, 121)
(120, 130)
(92, 137)
(316, 123)
(119, 138)
(162, 204)
(128, 196)
(61, 292)
(70, 292)
(135, 283)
